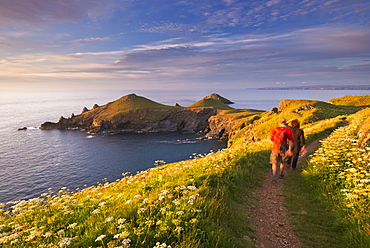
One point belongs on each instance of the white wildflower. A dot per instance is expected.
(141, 210)
(126, 243)
(96, 211)
(192, 187)
(71, 226)
(47, 234)
(121, 221)
(163, 245)
(100, 238)
(65, 242)
(109, 219)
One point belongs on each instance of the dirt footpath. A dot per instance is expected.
(272, 226)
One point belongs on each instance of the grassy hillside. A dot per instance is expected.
(352, 100)
(333, 189)
(306, 111)
(220, 98)
(209, 102)
(199, 202)
(115, 109)
(122, 105)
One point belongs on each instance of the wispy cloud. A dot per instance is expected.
(88, 40)
(329, 41)
(215, 56)
(6, 44)
(186, 41)
(165, 27)
(36, 12)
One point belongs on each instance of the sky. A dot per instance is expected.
(182, 44)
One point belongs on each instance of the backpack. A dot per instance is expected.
(279, 141)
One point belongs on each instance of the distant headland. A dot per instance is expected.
(320, 87)
(132, 113)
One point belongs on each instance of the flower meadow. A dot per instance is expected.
(170, 205)
(342, 165)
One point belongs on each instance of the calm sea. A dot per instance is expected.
(32, 161)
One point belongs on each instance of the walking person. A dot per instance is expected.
(282, 144)
(298, 144)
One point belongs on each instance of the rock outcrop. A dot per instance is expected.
(220, 127)
(219, 98)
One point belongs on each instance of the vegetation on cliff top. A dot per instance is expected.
(306, 111)
(219, 98)
(349, 100)
(132, 102)
(198, 202)
(209, 102)
(124, 104)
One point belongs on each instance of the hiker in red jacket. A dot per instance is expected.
(282, 144)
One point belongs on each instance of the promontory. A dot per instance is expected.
(137, 113)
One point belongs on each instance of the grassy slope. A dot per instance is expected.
(220, 98)
(210, 102)
(350, 100)
(224, 182)
(122, 105)
(312, 115)
(113, 110)
(326, 221)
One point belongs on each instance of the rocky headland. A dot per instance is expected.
(136, 113)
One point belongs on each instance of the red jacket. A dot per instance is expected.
(278, 134)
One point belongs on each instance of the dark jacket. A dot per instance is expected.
(299, 140)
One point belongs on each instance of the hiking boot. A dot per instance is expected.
(281, 176)
(274, 179)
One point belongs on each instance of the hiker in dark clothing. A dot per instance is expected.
(298, 144)
(282, 142)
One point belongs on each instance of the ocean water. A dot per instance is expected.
(34, 160)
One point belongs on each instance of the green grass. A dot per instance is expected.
(124, 104)
(352, 100)
(316, 220)
(331, 187)
(210, 102)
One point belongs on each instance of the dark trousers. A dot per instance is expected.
(294, 160)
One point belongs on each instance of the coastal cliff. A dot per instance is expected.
(136, 113)
(139, 120)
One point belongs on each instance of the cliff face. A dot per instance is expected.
(193, 119)
(220, 127)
